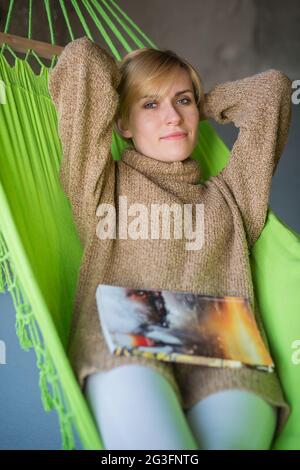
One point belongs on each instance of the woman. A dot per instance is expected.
(140, 402)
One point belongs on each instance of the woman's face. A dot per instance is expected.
(152, 119)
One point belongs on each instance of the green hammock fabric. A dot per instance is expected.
(40, 252)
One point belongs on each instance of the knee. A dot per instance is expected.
(127, 381)
(127, 388)
(136, 408)
(233, 419)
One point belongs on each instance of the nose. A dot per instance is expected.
(172, 114)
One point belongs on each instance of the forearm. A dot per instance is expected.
(242, 101)
(83, 88)
(260, 106)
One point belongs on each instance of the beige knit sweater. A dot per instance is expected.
(83, 88)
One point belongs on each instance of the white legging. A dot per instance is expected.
(135, 407)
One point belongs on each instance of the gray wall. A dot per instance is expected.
(225, 41)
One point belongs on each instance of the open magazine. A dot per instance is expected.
(178, 326)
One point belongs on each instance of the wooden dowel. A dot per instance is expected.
(20, 44)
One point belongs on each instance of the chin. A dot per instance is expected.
(178, 158)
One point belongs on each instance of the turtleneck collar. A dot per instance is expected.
(187, 170)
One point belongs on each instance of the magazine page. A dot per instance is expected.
(181, 327)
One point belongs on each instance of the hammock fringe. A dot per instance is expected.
(30, 337)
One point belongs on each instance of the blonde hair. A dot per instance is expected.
(150, 71)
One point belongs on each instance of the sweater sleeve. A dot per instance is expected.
(82, 86)
(260, 106)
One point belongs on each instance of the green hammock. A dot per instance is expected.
(40, 252)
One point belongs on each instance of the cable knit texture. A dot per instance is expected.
(83, 88)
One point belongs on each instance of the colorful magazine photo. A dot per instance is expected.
(178, 326)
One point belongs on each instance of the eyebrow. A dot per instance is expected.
(176, 94)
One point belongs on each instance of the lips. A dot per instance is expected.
(174, 135)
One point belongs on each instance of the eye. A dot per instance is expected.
(152, 102)
(146, 106)
(187, 99)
